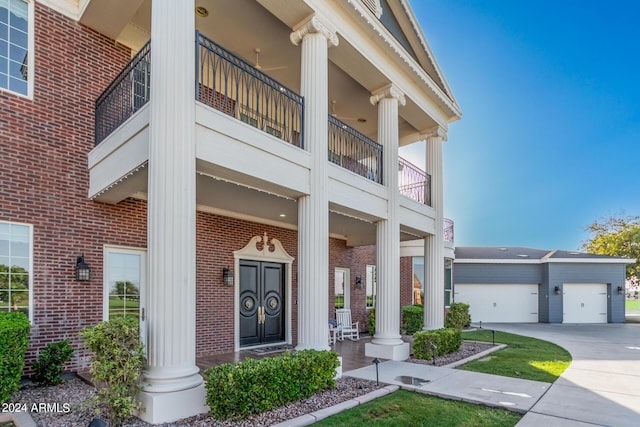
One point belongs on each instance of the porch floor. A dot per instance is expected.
(352, 353)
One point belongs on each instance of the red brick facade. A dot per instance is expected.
(45, 180)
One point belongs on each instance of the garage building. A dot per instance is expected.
(525, 285)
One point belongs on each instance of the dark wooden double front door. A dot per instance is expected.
(261, 303)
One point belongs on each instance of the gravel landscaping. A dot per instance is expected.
(76, 394)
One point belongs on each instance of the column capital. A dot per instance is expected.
(435, 132)
(388, 92)
(314, 24)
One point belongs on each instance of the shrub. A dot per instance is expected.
(49, 366)
(447, 340)
(14, 340)
(372, 321)
(412, 318)
(458, 316)
(238, 390)
(117, 365)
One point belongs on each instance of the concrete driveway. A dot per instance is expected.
(602, 384)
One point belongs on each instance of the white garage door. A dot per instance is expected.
(584, 303)
(500, 303)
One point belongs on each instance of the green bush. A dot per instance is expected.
(238, 390)
(412, 318)
(14, 340)
(117, 363)
(447, 340)
(458, 316)
(49, 366)
(372, 321)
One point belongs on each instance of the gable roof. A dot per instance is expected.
(521, 255)
(397, 17)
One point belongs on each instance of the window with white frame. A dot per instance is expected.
(371, 286)
(417, 280)
(16, 46)
(16, 264)
(123, 281)
(448, 281)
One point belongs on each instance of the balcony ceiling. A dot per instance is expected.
(243, 26)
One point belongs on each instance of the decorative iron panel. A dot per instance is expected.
(413, 182)
(232, 85)
(354, 151)
(128, 93)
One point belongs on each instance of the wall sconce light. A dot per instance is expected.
(83, 271)
(620, 290)
(227, 277)
(358, 282)
(556, 290)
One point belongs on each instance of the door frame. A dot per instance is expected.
(272, 251)
(142, 252)
(346, 285)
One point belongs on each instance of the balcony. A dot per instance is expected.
(413, 182)
(448, 230)
(231, 85)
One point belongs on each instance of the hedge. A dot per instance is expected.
(412, 318)
(238, 390)
(447, 340)
(14, 340)
(372, 321)
(458, 316)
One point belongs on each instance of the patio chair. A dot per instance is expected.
(348, 329)
(334, 331)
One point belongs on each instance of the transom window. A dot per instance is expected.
(16, 46)
(15, 267)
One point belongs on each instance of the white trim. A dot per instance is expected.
(30, 52)
(251, 252)
(142, 252)
(546, 261)
(346, 286)
(31, 272)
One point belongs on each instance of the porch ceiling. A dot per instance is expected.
(243, 26)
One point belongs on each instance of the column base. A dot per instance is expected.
(392, 352)
(339, 369)
(171, 406)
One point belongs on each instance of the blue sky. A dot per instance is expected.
(549, 140)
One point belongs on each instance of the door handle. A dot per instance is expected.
(261, 315)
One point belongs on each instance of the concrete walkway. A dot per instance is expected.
(491, 390)
(602, 384)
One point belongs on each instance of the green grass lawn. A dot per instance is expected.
(633, 304)
(526, 358)
(405, 408)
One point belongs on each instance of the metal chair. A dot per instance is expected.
(348, 329)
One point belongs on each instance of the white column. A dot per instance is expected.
(433, 244)
(172, 386)
(387, 342)
(313, 210)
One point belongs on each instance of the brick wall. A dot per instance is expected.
(44, 175)
(406, 281)
(45, 179)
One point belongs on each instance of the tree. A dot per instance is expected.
(616, 236)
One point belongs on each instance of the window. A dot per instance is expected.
(16, 46)
(341, 288)
(124, 277)
(371, 286)
(448, 263)
(417, 280)
(15, 267)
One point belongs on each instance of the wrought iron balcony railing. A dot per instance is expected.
(235, 87)
(128, 92)
(448, 230)
(354, 151)
(414, 182)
